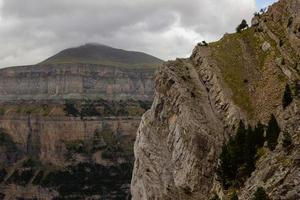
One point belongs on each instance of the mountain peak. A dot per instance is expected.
(94, 53)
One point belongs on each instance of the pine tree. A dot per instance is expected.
(226, 169)
(237, 145)
(234, 196)
(272, 133)
(259, 135)
(287, 97)
(260, 194)
(238, 156)
(249, 151)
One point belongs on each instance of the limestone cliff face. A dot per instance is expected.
(67, 142)
(200, 100)
(179, 139)
(46, 137)
(76, 81)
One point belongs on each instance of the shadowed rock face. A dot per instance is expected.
(68, 124)
(200, 100)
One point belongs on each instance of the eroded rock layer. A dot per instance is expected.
(76, 81)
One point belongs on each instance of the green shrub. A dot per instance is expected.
(31, 162)
(38, 178)
(135, 110)
(7, 141)
(70, 109)
(21, 176)
(90, 179)
(260, 194)
(260, 152)
(89, 109)
(75, 147)
(242, 26)
(290, 22)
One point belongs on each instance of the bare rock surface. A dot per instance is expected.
(199, 102)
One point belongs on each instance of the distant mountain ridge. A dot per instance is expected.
(101, 54)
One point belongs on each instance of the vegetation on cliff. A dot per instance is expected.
(7, 141)
(243, 25)
(260, 194)
(246, 60)
(105, 108)
(239, 154)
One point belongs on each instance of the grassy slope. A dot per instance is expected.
(247, 69)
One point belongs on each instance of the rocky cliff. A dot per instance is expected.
(199, 102)
(68, 124)
(76, 81)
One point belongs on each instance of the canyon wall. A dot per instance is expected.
(68, 124)
(45, 137)
(76, 81)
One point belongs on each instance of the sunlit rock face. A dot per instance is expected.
(200, 100)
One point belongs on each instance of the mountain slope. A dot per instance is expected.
(103, 55)
(200, 101)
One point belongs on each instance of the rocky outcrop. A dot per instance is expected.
(199, 102)
(178, 144)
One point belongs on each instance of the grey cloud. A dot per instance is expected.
(32, 30)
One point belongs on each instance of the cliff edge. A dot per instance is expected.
(200, 101)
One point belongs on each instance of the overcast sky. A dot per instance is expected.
(32, 30)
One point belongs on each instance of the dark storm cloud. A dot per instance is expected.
(32, 30)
